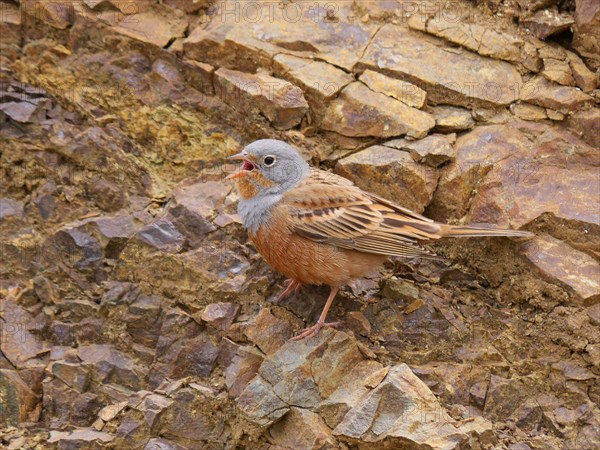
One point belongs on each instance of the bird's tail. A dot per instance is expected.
(480, 231)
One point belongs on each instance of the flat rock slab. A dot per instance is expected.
(542, 92)
(19, 402)
(400, 90)
(260, 404)
(511, 174)
(319, 80)
(477, 38)
(560, 262)
(448, 75)
(547, 22)
(79, 438)
(361, 112)
(450, 119)
(586, 32)
(391, 173)
(152, 27)
(434, 150)
(282, 103)
(403, 410)
(247, 34)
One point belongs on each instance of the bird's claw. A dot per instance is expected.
(309, 332)
(291, 285)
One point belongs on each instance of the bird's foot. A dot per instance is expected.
(309, 332)
(291, 285)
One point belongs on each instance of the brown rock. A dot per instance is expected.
(594, 314)
(83, 438)
(189, 7)
(358, 111)
(318, 80)
(10, 208)
(22, 112)
(242, 369)
(107, 194)
(375, 379)
(268, 332)
(10, 24)
(162, 444)
(491, 116)
(554, 115)
(302, 374)
(220, 315)
(260, 404)
(530, 57)
(19, 345)
(456, 78)
(513, 185)
(451, 119)
(542, 92)
(403, 410)
(162, 235)
(199, 75)
(152, 27)
(586, 34)
(109, 412)
(547, 22)
(526, 111)
(559, 71)
(127, 8)
(477, 38)
(561, 263)
(391, 173)
(153, 406)
(350, 391)
(400, 90)
(202, 198)
(110, 365)
(56, 14)
(280, 101)
(358, 323)
(301, 428)
(586, 124)
(193, 419)
(504, 396)
(19, 402)
(229, 42)
(72, 374)
(433, 150)
(188, 357)
(584, 77)
(572, 371)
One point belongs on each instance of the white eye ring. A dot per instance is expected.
(269, 160)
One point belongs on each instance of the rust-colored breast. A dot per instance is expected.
(307, 261)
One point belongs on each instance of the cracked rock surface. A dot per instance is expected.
(134, 313)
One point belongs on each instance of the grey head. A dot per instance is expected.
(270, 169)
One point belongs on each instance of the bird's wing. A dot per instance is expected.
(330, 209)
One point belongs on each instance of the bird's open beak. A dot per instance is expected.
(248, 166)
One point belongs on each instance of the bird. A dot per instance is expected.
(316, 227)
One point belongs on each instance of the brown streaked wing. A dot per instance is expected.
(347, 217)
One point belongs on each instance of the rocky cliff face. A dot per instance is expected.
(134, 313)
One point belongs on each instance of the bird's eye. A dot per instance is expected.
(269, 160)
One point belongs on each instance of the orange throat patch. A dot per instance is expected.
(249, 184)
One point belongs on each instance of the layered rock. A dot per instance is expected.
(391, 173)
(282, 103)
(462, 79)
(512, 163)
(359, 112)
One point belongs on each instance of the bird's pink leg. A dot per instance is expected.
(292, 285)
(312, 331)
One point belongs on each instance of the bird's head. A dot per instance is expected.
(268, 166)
